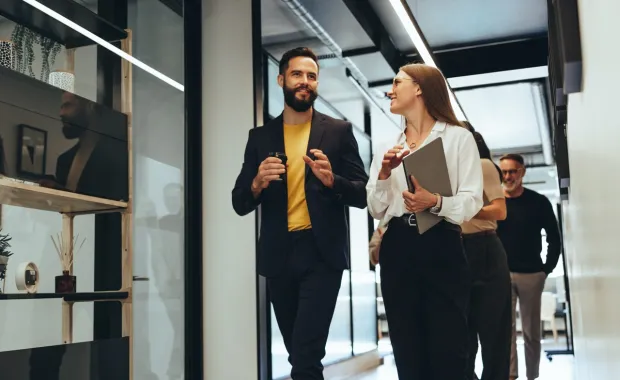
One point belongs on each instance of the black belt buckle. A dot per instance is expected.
(411, 221)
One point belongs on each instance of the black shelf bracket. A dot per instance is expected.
(68, 297)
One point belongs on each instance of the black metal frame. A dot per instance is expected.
(567, 44)
(568, 320)
(261, 116)
(193, 262)
(107, 316)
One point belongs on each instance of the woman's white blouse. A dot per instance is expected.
(385, 199)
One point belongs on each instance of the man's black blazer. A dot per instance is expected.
(327, 207)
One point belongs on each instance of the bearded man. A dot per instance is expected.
(304, 169)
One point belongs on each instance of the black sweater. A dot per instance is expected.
(520, 233)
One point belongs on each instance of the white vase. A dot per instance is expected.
(62, 79)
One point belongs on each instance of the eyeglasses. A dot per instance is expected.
(510, 171)
(399, 79)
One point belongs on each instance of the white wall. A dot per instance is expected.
(593, 209)
(229, 271)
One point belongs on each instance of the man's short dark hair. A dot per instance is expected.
(515, 157)
(294, 53)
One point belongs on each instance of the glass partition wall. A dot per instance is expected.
(354, 326)
(158, 154)
(101, 139)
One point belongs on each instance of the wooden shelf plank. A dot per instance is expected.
(42, 198)
(68, 297)
(22, 13)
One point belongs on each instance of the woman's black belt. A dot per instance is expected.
(479, 234)
(410, 220)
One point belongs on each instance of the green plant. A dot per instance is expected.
(4, 245)
(23, 42)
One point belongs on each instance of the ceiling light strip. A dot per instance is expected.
(105, 44)
(416, 37)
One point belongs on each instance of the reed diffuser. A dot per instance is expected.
(66, 283)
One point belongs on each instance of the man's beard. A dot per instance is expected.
(73, 125)
(511, 186)
(299, 105)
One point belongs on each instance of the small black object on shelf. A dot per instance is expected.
(25, 14)
(65, 283)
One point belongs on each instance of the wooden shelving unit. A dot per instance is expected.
(25, 14)
(71, 205)
(21, 194)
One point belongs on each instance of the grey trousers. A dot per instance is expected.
(527, 288)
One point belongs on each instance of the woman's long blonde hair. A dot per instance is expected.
(434, 91)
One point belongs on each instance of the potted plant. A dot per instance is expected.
(23, 40)
(4, 256)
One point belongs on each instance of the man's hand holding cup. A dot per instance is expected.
(269, 170)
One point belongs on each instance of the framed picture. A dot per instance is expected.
(32, 151)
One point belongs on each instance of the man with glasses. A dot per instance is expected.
(528, 213)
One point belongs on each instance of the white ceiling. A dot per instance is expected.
(277, 21)
(282, 30)
(460, 22)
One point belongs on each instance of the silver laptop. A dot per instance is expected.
(428, 165)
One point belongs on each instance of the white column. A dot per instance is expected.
(591, 213)
(230, 327)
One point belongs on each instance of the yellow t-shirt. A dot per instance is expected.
(296, 143)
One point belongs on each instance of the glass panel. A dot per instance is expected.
(276, 97)
(37, 323)
(363, 285)
(158, 142)
(26, 117)
(516, 103)
(363, 143)
(323, 107)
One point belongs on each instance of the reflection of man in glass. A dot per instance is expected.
(167, 266)
(93, 166)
